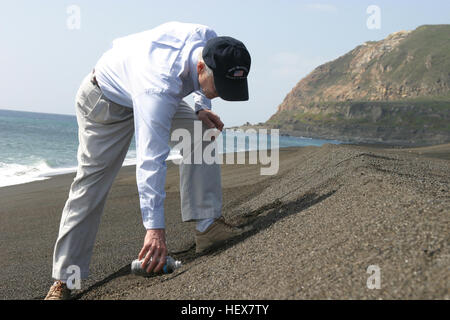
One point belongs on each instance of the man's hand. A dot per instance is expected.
(155, 248)
(211, 119)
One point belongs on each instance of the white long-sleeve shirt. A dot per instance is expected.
(151, 72)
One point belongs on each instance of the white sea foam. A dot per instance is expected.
(13, 174)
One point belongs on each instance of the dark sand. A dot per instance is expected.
(319, 223)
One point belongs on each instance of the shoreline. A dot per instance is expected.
(422, 150)
(345, 139)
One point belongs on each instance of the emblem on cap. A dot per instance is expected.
(238, 72)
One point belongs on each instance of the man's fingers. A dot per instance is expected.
(143, 252)
(162, 262)
(148, 256)
(209, 123)
(158, 257)
(220, 125)
(211, 120)
(155, 257)
(217, 121)
(154, 245)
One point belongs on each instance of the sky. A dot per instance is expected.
(48, 46)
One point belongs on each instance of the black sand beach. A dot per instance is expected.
(328, 214)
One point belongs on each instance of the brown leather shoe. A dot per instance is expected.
(58, 291)
(217, 233)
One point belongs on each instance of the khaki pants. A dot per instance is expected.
(105, 133)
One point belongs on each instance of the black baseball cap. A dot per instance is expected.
(230, 61)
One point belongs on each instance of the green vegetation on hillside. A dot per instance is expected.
(412, 113)
(428, 49)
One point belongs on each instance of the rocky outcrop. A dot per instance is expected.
(396, 90)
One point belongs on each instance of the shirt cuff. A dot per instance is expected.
(199, 107)
(153, 219)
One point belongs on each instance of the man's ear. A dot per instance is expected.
(200, 67)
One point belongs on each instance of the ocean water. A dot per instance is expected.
(37, 146)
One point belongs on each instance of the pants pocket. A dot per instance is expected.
(108, 112)
(87, 97)
(93, 105)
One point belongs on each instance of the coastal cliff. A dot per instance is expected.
(393, 91)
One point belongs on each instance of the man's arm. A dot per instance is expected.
(153, 114)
